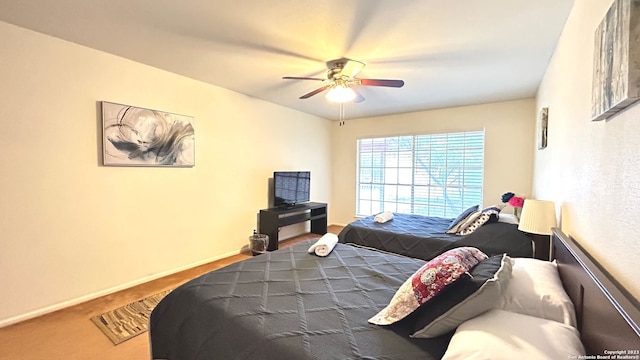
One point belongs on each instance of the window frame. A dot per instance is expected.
(470, 166)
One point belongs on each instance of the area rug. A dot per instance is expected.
(125, 322)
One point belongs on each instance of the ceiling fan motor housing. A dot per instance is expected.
(334, 74)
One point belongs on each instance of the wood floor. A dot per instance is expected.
(69, 333)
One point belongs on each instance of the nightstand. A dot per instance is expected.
(542, 246)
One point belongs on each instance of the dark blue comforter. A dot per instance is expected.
(288, 304)
(425, 237)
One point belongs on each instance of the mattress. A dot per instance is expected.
(288, 304)
(425, 237)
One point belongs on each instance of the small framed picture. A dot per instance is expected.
(542, 128)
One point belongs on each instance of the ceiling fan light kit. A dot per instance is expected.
(341, 81)
(341, 93)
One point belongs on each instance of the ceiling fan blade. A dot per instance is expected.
(316, 91)
(301, 78)
(380, 82)
(359, 98)
(352, 68)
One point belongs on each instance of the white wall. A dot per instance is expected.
(590, 169)
(509, 128)
(71, 229)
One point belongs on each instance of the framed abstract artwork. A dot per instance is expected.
(134, 136)
(543, 128)
(616, 63)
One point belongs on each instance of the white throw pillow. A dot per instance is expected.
(499, 334)
(536, 289)
(508, 218)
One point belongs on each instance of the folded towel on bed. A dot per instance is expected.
(324, 245)
(383, 217)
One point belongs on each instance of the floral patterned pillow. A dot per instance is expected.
(427, 282)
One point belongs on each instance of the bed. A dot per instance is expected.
(425, 237)
(289, 304)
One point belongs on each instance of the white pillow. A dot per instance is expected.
(536, 289)
(499, 334)
(508, 218)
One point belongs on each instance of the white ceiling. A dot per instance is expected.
(449, 53)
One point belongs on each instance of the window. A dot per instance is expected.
(432, 174)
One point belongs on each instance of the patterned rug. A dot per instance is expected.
(128, 321)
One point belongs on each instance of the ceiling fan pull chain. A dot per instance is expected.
(341, 114)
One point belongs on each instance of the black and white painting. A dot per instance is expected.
(616, 64)
(136, 136)
(543, 128)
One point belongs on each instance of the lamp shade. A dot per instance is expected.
(341, 93)
(538, 217)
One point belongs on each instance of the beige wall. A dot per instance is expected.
(590, 169)
(509, 128)
(72, 229)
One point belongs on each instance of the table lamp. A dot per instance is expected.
(537, 219)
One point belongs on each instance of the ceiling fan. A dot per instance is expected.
(341, 81)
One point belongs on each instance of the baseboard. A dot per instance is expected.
(79, 300)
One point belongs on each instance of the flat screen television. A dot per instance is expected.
(290, 188)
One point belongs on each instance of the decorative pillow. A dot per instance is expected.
(465, 222)
(499, 334)
(463, 216)
(464, 299)
(536, 290)
(485, 216)
(494, 214)
(427, 282)
(508, 218)
(481, 220)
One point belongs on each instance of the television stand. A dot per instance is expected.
(291, 206)
(272, 219)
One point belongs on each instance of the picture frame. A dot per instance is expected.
(616, 60)
(135, 136)
(543, 128)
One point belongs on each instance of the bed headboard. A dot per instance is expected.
(608, 316)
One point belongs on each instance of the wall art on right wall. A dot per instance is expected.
(542, 128)
(616, 60)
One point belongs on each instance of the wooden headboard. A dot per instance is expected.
(608, 316)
